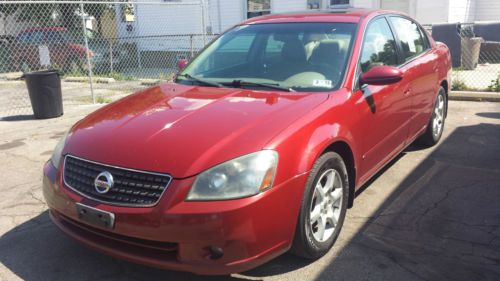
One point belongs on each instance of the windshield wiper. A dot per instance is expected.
(202, 81)
(240, 83)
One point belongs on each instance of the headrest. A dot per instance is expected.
(293, 50)
(327, 51)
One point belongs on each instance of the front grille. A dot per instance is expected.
(131, 187)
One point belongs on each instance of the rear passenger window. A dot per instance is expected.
(273, 47)
(379, 46)
(411, 37)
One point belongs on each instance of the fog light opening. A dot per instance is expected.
(215, 252)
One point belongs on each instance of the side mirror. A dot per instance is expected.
(381, 75)
(181, 64)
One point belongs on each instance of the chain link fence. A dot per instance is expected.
(475, 51)
(105, 48)
(101, 48)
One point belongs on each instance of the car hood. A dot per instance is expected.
(183, 130)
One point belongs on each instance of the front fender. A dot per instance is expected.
(303, 142)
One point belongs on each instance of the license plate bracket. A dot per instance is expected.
(95, 216)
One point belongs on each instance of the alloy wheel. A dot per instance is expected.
(326, 204)
(437, 122)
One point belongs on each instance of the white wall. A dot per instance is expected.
(231, 12)
(462, 10)
(283, 6)
(431, 11)
(10, 25)
(487, 10)
(370, 4)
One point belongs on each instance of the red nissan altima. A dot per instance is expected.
(256, 148)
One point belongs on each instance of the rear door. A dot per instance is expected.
(26, 55)
(385, 109)
(59, 49)
(420, 65)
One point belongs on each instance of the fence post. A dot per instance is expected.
(87, 51)
(191, 45)
(203, 24)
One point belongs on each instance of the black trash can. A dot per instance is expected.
(44, 88)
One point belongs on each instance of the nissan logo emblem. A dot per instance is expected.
(103, 182)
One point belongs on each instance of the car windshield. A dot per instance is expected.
(294, 56)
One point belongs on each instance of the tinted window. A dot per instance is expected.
(35, 37)
(379, 46)
(234, 52)
(302, 56)
(24, 38)
(412, 40)
(56, 37)
(273, 47)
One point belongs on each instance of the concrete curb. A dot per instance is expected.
(101, 80)
(11, 76)
(474, 96)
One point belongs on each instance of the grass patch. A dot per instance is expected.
(115, 75)
(101, 99)
(166, 77)
(118, 76)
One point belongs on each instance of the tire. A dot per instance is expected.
(435, 126)
(307, 242)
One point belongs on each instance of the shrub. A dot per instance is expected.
(495, 85)
(459, 85)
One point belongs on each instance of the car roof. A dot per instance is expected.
(46, 28)
(349, 15)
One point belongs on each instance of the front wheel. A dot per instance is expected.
(323, 207)
(435, 126)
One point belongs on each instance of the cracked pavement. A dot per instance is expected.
(432, 214)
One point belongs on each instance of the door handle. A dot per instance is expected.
(407, 91)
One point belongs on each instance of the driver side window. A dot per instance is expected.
(379, 46)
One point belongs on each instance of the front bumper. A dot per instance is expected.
(177, 235)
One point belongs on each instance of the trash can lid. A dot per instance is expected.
(42, 72)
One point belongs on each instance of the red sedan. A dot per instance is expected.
(258, 146)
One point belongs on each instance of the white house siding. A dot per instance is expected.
(431, 11)
(283, 6)
(487, 10)
(462, 10)
(369, 4)
(11, 25)
(158, 20)
(225, 13)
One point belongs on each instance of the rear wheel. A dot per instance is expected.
(323, 207)
(435, 127)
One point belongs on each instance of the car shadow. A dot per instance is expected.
(494, 115)
(15, 118)
(38, 250)
(442, 222)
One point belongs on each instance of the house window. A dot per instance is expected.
(257, 8)
(339, 2)
(314, 4)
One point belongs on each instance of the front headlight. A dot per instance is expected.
(57, 154)
(241, 177)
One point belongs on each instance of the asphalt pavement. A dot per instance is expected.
(432, 214)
